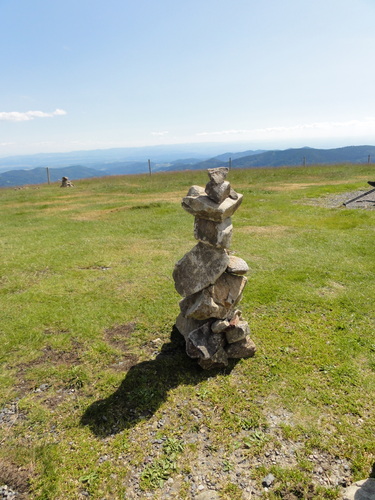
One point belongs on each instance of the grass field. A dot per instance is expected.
(97, 396)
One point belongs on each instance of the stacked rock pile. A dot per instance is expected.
(211, 280)
(65, 182)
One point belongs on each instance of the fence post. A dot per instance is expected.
(48, 178)
(149, 166)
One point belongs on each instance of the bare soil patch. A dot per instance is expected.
(116, 337)
(49, 356)
(15, 478)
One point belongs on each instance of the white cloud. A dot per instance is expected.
(315, 129)
(160, 134)
(17, 116)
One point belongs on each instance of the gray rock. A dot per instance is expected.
(227, 290)
(242, 349)
(187, 325)
(233, 194)
(218, 175)
(199, 268)
(361, 490)
(268, 480)
(218, 234)
(235, 317)
(216, 301)
(218, 360)
(237, 265)
(237, 332)
(196, 191)
(220, 325)
(202, 206)
(202, 306)
(218, 192)
(204, 344)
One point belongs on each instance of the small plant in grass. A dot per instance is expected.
(255, 440)
(172, 447)
(155, 474)
(227, 465)
(90, 478)
(231, 491)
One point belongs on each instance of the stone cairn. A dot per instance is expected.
(211, 280)
(65, 182)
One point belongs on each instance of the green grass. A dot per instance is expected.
(87, 303)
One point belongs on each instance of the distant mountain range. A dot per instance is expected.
(18, 170)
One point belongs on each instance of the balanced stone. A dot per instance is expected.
(237, 265)
(196, 191)
(218, 175)
(210, 281)
(217, 234)
(199, 268)
(202, 206)
(218, 192)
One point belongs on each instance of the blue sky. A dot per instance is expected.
(97, 74)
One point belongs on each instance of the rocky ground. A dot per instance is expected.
(337, 200)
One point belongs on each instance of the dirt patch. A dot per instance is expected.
(15, 478)
(49, 356)
(116, 337)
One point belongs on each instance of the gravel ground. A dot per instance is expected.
(336, 201)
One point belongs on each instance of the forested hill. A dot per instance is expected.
(289, 157)
(246, 159)
(307, 156)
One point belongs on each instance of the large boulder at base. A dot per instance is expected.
(199, 268)
(217, 234)
(202, 206)
(243, 349)
(218, 360)
(202, 343)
